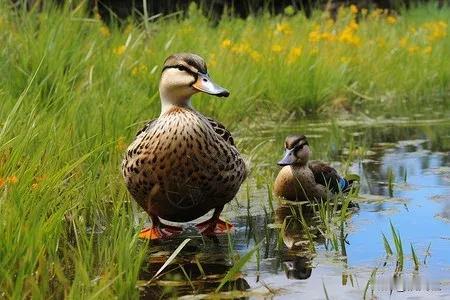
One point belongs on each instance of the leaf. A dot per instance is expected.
(354, 177)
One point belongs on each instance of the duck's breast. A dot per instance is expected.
(295, 183)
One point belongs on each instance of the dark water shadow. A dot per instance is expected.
(198, 269)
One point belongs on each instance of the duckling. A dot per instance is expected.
(301, 180)
(183, 164)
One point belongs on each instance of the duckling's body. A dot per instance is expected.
(298, 183)
(183, 164)
(301, 180)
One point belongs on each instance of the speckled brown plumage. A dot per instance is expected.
(182, 165)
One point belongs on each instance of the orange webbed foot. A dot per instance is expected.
(214, 227)
(160, 232)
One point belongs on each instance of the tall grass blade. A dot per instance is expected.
(427, 254)
(170, 259)
(370, 282)
(238, 266)
(387, 247)
(415, 259)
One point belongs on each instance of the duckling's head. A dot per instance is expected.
(183, 75)
(296, 151)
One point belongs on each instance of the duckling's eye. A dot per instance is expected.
(298, 147)
(182, 68)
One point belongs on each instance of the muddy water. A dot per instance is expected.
(404, 167)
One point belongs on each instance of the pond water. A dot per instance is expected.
(404, 170)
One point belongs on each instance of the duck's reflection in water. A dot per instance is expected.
(197, 270)
(296, 255)
(203, 263)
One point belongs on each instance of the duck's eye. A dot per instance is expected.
(298, 147)
(182, 68)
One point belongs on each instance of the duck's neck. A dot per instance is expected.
(167, 103)
(300, 165)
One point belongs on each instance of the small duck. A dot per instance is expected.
(301, 180)
(183, 164)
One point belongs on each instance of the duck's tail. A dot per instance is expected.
(345, 185)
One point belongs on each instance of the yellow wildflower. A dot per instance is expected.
(348, 36)
(314, 36)
(364, 12)
(428, 50)
(12, 179)
(391, 20)
(139, 69)
(128, 29)
(413, 49)
(404, 42)
(255, 55)
(284, 28)
(2, 182)
(353, 25)
(135, 71)
(119, 50)
(314, 51)
(353, 9)
(345, 59)
(436, 30)
(226, 43)
(212, 60)
(240, 48)
(277, 48)
(381, 41)
(326, 36)
(186, 29)
(376, 13)
(105, 31)
(34, 186)
(329, 23)
(294, 54)
(121, 145)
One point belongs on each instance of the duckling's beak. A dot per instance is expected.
(288, 159)
(206, 85)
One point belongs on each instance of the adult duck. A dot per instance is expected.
(183, 164)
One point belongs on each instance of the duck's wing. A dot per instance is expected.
(325, 175)
(221, 131)
(328, 176)
(148, 125)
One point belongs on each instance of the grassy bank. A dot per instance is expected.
(74, 91)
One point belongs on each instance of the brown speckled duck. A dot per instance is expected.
(301, 180)
(183, 164)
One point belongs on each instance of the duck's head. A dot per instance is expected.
(296, 151)
(183, 75)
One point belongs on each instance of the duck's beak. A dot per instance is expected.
(288, 159)
(206, 85)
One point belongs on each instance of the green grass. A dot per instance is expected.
(74, 92)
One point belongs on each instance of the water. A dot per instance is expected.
(414, 155)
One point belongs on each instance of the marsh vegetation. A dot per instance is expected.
(371, 91)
